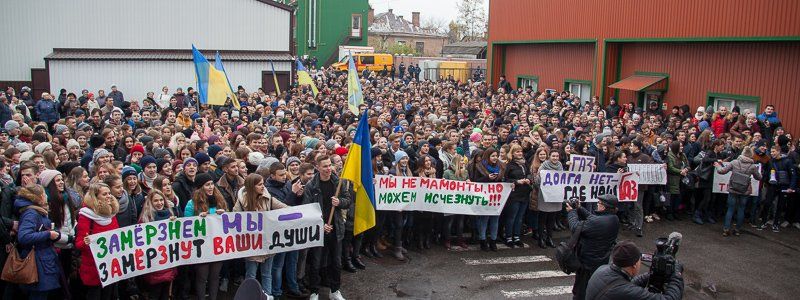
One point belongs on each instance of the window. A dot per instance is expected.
(401, 42)
(367, 60)
(420, 47)
(744, 102)
(581, 88)
(525, 81)
(355, 27)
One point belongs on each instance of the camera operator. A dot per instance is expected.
(597, 238)
(619, 280)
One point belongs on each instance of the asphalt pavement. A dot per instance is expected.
(756, 265)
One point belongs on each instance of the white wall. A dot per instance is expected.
(32, 28)
(136, 78)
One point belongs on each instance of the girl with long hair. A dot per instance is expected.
(423, 220)
(548, 211)
(157, 208)
(516, 172)
(96, 216)
(255, 198)
(164, 185)
(489, 169)
(533, 204)
(456, 171)
(77, 183)
(207, 199)
(36, 234)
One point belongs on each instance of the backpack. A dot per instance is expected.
(567, 253)
(739, 183)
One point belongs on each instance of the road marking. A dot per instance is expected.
(506, 260)
(478, 247)
(522, 275)
(540, 292)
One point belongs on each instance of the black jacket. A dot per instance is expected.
(598, 236)
(183, 188)
(623, 287)
(514, 172)
(282, 191)
(313, 194)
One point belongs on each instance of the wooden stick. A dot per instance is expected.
(333, 208)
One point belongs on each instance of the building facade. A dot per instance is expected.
(701, 53)
(322, 26)
(142, 45)
(388, 29)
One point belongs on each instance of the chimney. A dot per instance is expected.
(371, 15)
(390, 11)
(415, 18)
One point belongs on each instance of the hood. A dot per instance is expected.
(745, 159)
(21, 202)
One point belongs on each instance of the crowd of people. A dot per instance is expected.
(75, 165)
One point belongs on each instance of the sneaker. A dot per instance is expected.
(785, 224)
(726, 232)
(655, 217)
(268, 296)
(763, 226)
(336, 296)
(775, 229)
(736, 232)
(796, 225)
(769, 222)
(313, 296)
(223, 285)
(754, 225)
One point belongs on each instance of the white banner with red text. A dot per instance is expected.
(397, 193)
(558, 186)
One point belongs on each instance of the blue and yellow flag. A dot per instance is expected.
(358, 170)
(218, 65)
(304, 79)
(355, 96)
(275, 79)
(212, 83)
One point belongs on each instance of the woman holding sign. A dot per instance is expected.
(490, 169)
(548, 211)
(206, 200)
(456, 171)
(97, 215)
(156, 208)
(516, 173)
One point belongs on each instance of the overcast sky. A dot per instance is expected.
(437, 9)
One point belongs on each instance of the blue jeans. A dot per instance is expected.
(266, 273)
(289, 261)
(491, 222)
(739, 203)
(515, 211)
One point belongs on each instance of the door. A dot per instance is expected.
(583, 91)
(268, 83)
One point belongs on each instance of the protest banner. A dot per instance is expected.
(720, 183)
(440, 195)
(649, 173)
(558, 186)
(143, 248)
(581, 163)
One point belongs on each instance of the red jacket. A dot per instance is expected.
(719, 126)
(86, 226)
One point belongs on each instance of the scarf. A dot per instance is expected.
(490, 168)
(162, 214)
(148, 181)
(89, 213)
(548, 165)
(123, 203)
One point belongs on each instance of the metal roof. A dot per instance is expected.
(473, 47)
(637, 82)
(159, 54)
(389, 23)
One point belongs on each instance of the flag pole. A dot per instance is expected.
(339, 186)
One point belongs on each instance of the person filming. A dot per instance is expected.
(597, 237)
(620, 279)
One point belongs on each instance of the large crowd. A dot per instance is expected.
(74, 165)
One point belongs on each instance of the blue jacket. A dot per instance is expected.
(5, 113)
(47, 111)
(282, 191)
(34, 231)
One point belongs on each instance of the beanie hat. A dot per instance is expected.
(137, 148)
(22, 147)
(475, 137)
(147, 160)
(609, 201)
(267, 162)
(330, 144)
(213, 150)
(128, 171)
(60, 128)
(72, 143)
(160, 152)
(341, 151)
(26, 155)
(145, 139)
(702, 125)
(98, 153)
(255, 158)
(96, 141)
(42, 147)
(188, 161)
(625, 254)
(201, 158)
(66, 167)
(293, 159)
(399, 155)
(312, 143)
(223, 161)
(160, 163)
(375, 152)
(47, 176)
(11, 125)
(201, 178)
(213, 139)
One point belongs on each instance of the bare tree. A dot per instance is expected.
(472, 19)
(437, 25)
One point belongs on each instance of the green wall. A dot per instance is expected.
(333, 27)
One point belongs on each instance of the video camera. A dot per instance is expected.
(663, 262)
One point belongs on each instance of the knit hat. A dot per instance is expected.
(311, 143)
(147, 160)
(160, 152)
(213, 139)
(330, 144)
(47, 176)
(626, 254)
(255, 158)
(188, 161)
(128, 171)
(475, 137)
(293, 159)
(213, 150)
(609, 201)
(223, 161)
(137, 148)
(42, 147)
(22, 147)
(201, 179)
(11, 125)
(202, 158)
(26, 155)
(99, 153)
(234, 114)
(145, 139)
(267, 162)
(341, 151)
(375, 152)
(72, 143)
(399, 155)
(702, 125)
(160, 163)
(60, 128)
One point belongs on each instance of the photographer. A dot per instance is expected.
(619, 280)
(597, 237)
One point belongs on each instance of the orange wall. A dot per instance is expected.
(551, 62)
(768, 70)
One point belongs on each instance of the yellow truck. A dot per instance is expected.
(372, 61)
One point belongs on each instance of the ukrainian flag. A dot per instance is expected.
(355, 96)
(304, 79)
(358, 170)
(212, 82)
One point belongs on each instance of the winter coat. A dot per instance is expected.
(598, 235)
(784, 164)
(34, 232)
(183, 188)
(129, 215)
(635, 288)
(118, 97)
(282, 191)
(541, 205)
(744, 165)
(313, 194)
(515, 171)
(47, 111)
(719, 125)
(5, 113)
(228, 188)
(88, 226)
(675, 163)
(269, 203)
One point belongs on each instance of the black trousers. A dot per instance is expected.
(547, 222)
(325, 267)
(582, 277)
